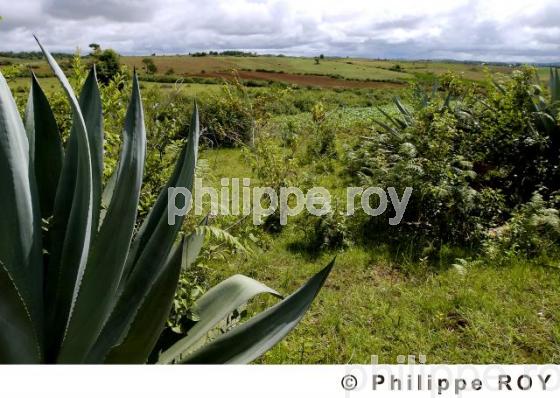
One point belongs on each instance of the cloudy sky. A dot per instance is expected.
(499, 30)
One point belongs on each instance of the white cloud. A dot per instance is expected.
(520, 30)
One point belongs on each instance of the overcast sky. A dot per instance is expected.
(499, 30)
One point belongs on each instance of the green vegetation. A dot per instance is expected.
(107, 63)
(326, 72)
(471, 273)
(150, 67)
(76, 286)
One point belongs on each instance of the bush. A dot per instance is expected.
(229, 117)
(471, 155)
(327, 232)
(420, 148)
(108, 65)
(149, 66)
(516, 145)
(532, 231)
(321, 145)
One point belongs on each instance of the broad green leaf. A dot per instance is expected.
(193, 245)
(45, 146)
(20, 234)
(212, 308)
(151, 317)
(72, 222)
(110, 247)
(155, 245)
(107, 195)
(18, 342)
(250, 340)
(156, 222)
(91, 106)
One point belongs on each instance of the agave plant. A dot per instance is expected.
(77, 283)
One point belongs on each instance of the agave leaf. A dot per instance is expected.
(20, 233)
(45, 146)
(18, 342)
(193, 245)
(91, 106)
(399, 124)
(247, 342)
(152, 314)
(156, 237)
(155, 226)
(554, 85)
(107, 195)
(72, 221)
(388, 128)
(403, 110)
(110, 247)
(212, 308)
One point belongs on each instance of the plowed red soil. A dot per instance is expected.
(303, 80)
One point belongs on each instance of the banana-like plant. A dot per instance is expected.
(77, 284)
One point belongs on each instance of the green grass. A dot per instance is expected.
(370, 306)
(375, 303)
(20, 84)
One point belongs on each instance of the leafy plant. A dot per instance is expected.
(532, 231)
(77, 285)
(149, 66)
(421, 148)
(329, 231)
(228, 117)
(108, 62)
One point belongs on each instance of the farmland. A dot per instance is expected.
(328, 72)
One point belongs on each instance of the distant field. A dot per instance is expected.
(329, 72)
(341, 68)
(337, 68)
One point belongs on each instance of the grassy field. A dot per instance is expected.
(376, 304)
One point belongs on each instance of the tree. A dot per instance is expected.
(95, 48)
(316, 60)
(149, 66)
(322, 56)
(108, 65)
(107, 62)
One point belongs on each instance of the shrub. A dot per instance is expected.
(532, 231)
(326, 232)
(108, 64)
(229, 117)
(322, 136)
(516, 145)
(420, 148)
(149, 66)
(471, 154)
